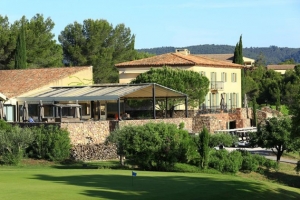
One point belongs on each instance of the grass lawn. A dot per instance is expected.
(55, 182)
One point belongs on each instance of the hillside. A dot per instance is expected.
(272, 54)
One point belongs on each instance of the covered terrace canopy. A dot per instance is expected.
(105, 92)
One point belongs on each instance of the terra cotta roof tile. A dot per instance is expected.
(19, 81)
(178, 59)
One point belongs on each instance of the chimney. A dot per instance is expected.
(183, 51)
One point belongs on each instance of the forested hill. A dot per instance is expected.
(272, 54)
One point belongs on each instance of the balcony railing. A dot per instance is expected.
(206, 109)
(217, 85)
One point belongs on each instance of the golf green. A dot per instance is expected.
(54, 183)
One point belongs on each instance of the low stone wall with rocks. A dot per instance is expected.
(94, 152)
(89, 132)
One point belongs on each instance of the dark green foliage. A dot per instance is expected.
(274, 133)
(50, 143)
(4, 125)
(224, 161)
(98, 43)
(255, 162)
(222, 138)
(20, 56)
(41, 48)
(203, 148)
(250, 163)
(13, 142)
(154, 146)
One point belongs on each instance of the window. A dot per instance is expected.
(224, 76)
(213, 76)
(202, 73)
(233, 77)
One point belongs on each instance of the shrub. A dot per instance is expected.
(13, 142)
(50, 143)
(234, 162)
(217, 159)
(203, 148)
(271, 164)
(224, 161)
(154, 146)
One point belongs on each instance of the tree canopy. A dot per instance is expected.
(41, 49)
(274, 133)
(97, 43)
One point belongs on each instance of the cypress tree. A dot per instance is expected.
(20, 56)
(238, 58)
(240, 50)
(203, 148)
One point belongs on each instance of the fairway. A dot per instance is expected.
(53, 183)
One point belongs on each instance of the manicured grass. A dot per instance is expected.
(55, 182)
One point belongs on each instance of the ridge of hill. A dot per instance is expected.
(272, 54)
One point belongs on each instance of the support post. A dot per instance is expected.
(153, 100)
(119, 109)
(186, 106)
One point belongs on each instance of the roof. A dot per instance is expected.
(178, 59)
(224, 57)
(18, 81)
(102, 92)
(281, 67)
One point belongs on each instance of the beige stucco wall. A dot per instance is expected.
(230, 88)
(85, 76)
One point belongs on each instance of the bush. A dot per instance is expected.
(217, 159)
(271, 164)
(224, 161)
(50, 143)
(154, 146)
(234, 162)
(13, 142)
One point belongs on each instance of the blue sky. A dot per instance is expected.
(176, 23)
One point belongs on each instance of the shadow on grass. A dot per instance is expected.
(283, 178)
(90, 165)
(114, 184)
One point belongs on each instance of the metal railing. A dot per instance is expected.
(207, 109)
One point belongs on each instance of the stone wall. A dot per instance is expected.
(241, 117)
(89, 132)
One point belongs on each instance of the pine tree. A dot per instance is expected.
(20, 56)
